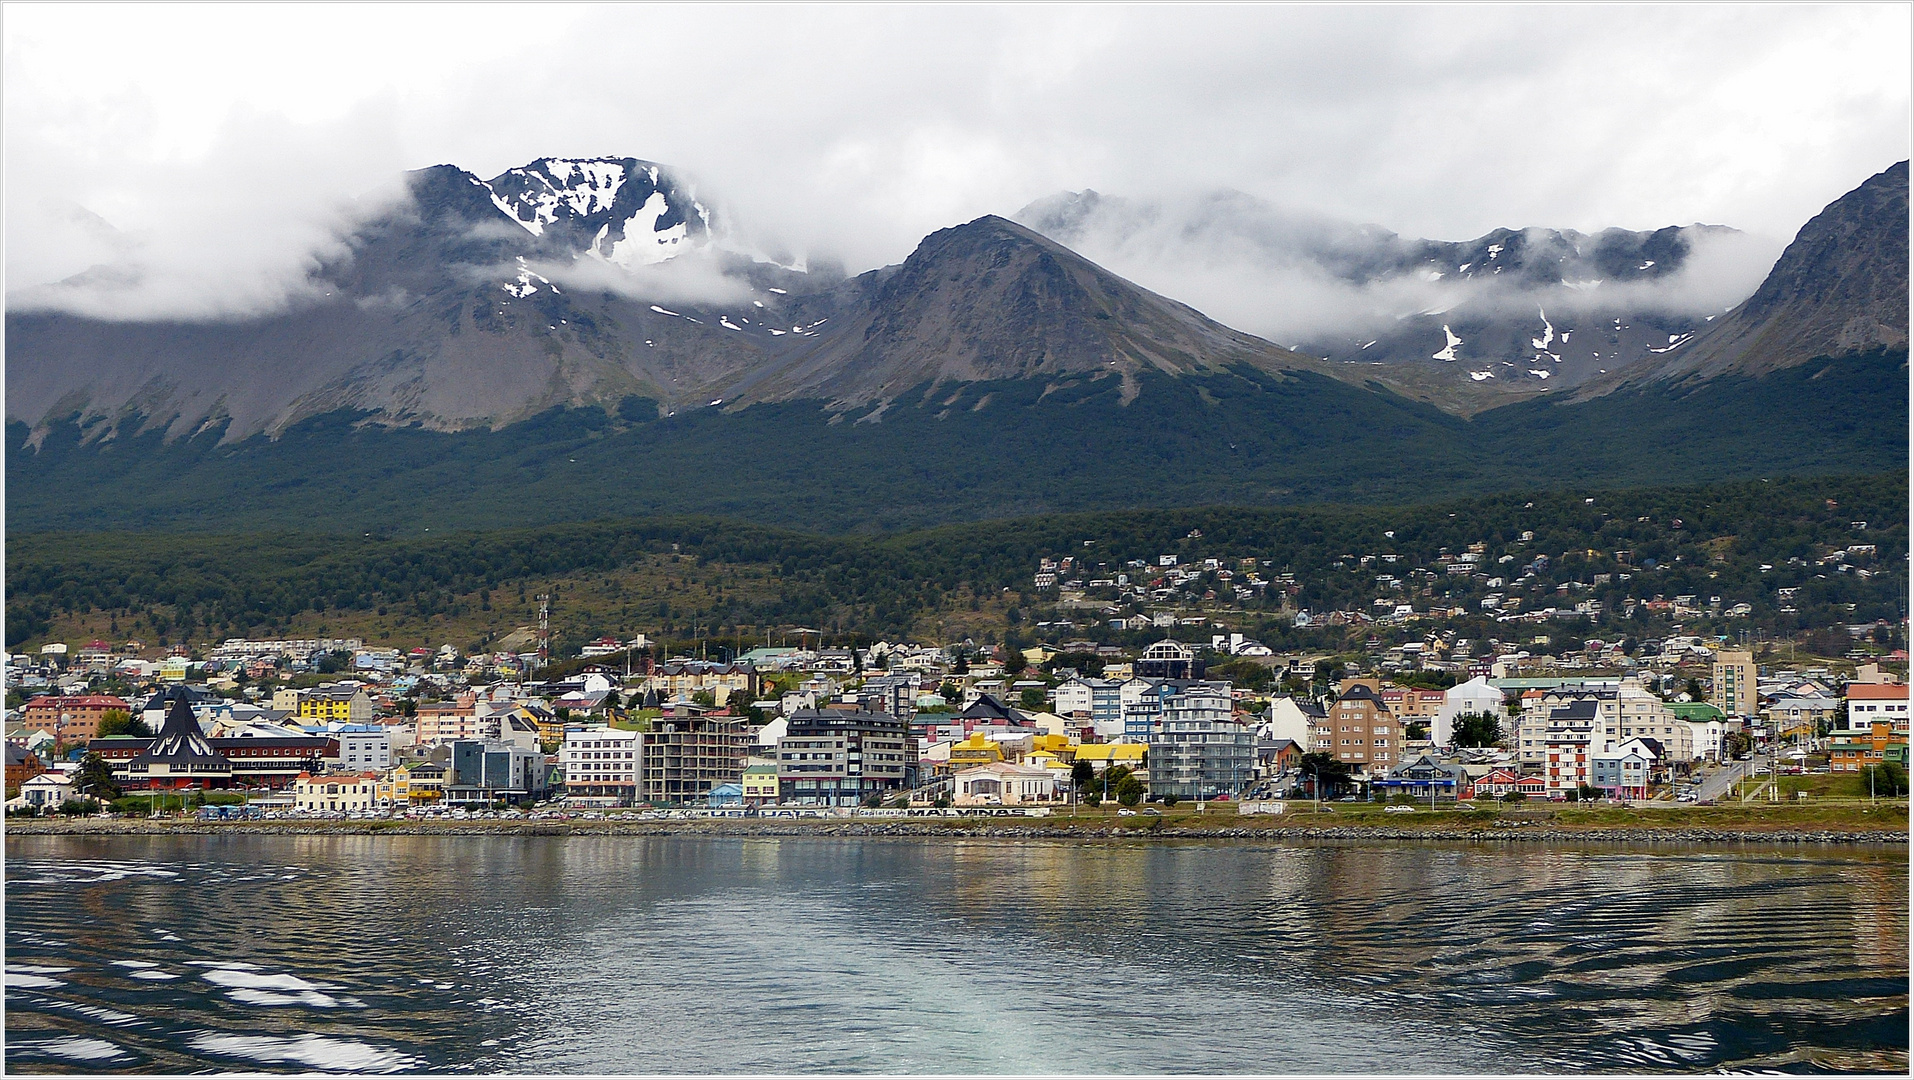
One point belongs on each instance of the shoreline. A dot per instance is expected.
(1529, 832)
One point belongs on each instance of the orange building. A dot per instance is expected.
(70, 719)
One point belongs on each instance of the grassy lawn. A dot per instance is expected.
(1829, 786)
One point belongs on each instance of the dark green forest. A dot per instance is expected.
(1743, 541)
(1008, 449)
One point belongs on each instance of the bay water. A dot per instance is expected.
(175, 953)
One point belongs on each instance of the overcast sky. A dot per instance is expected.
(219, 142)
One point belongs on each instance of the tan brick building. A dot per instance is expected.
(1363, 733)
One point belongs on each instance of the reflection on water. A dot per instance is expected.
(653, 954)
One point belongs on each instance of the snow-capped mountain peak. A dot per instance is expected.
(622, 210)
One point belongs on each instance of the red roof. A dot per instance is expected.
(1877, 692)
(77, 701)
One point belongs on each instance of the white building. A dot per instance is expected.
(1474, 696)
(1573, 735)
(602, 763)
(46, 791)
(343, 792)
(1705, 736)
(362, 747)
(1002, 784)
(1642, 715)
(1294, 720)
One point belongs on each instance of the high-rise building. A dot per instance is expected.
(838, 757)
(1734, 683)
(1198, 750)
(1364, 733)
(686, 755)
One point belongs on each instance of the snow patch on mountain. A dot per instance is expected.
(644, 244)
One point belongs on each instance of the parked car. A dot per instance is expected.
(1126, 812)
(1401, 810)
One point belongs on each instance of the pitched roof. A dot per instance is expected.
(989, 708)
(179, 741)
(1877, 692)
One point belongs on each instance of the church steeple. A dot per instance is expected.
(180, 756)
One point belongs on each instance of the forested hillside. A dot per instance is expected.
(1744, 542)
(980, 451)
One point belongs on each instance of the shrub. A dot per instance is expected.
(1514, 796)
(1171, 799)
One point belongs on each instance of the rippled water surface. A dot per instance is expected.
(629, 954)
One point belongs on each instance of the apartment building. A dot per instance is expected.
(1362, 732)
(686, 755)
(72, 719)
(1734, 683)
(602, 764)
(838, 757)
(1199, 751)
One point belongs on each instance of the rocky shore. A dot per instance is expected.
(1498, 832)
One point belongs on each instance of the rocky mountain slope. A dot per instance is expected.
(991, 300)
(577, 283)
(1471, 324)
(1839, 289)
(611, 284)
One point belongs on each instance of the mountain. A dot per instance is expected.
(991, 300)
(583, 338)
(1468, 325)
(571, 283)
(1839, 289)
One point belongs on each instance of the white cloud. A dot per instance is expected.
(222, 140)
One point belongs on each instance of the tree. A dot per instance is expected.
(1032, 698)
(1015, 662)
(1331, 776)
(951, 693)
(96, 777)
(1694, 691)
(1130, 791)
(1477, 729)
(1735, 743)
(120, 722)
(1082, 775)
(1887, 778)
(1086, 664)
(1416, 729)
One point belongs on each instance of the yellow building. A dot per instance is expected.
(760, 783)
(324, 704)
(978, 749)
(1057, 747)
(1101, 756)
(410, 785)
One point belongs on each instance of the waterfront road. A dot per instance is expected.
(1723, 780)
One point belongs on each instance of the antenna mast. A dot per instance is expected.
(544, 630)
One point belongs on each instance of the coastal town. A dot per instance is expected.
(336, 728)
